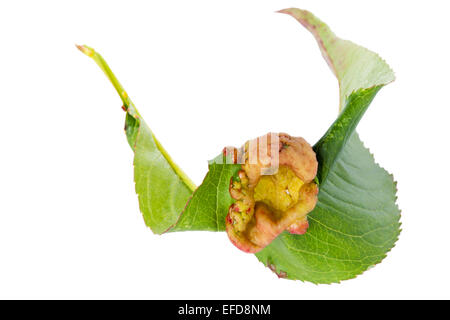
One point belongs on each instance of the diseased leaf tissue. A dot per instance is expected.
(326, 213)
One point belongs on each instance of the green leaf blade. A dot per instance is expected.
(354, 66)
(208, 207)
(333, 141)
(360, 72)
(162, 193)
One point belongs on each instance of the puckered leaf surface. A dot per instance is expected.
(354, 225)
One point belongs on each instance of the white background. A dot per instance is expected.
(70, 225)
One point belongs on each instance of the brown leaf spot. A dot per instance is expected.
(273, 268)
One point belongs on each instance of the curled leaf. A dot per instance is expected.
(356, 219)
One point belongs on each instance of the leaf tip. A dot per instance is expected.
(86, 50)
(294, 12)
(282, 11)
(287, 10)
